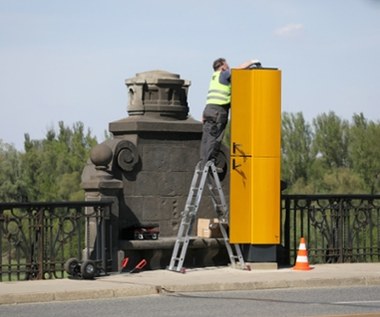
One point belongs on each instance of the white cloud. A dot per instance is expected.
(289, 30)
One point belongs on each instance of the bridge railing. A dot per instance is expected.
(337, 228)
(38, 238)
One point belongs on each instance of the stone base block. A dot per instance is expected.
(201, 252)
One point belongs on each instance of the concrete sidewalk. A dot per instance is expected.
(202, 279)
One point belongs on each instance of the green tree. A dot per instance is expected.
(53, 166)
(342, 181)
(296, 138)
(331, 140)
(12, 185)
(364, 150)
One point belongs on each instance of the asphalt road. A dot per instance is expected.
(347, 301)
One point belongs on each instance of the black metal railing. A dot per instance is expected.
(37, 238)
(337, 228)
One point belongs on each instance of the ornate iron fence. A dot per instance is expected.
(37, 238)
(337, 228)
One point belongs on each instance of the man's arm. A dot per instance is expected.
(248, 64)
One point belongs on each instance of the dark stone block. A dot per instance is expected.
(201, 252)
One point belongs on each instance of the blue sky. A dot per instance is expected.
(68, 60)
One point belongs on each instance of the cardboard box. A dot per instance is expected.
(208, 228)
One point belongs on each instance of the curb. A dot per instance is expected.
(260, 285)
(24, 298)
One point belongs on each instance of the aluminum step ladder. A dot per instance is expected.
(201, 177)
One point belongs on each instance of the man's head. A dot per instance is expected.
(220, 64)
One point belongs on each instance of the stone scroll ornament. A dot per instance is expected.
(126, 155)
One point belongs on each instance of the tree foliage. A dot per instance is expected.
(341, 158)
(12, 182)
(331, 140)
(296, 143)
(49, 169)
(364, 151)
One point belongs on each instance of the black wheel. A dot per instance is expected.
(71, 266)
(88, 270)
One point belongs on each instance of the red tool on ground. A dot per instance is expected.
(123, 264)
(138, 266)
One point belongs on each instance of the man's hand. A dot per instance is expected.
(250, 63)
(255, 62)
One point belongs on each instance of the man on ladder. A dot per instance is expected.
(215, 114)
(215, 118)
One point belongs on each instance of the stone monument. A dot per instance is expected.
(146, 169)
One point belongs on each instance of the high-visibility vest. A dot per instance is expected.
(218, 94)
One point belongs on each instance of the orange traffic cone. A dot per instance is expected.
(302, 261)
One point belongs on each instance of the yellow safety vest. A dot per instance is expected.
(218, 94)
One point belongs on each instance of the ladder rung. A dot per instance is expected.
(190, 209)
(185, 223)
